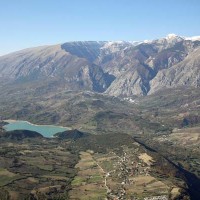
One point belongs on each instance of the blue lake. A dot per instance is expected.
(45, 130)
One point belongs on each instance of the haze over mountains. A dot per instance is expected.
(117, 68)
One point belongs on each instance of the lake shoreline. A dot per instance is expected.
(47, 131)
(13, 121)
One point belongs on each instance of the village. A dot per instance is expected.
(130, 177)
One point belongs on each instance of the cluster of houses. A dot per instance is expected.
(162, 197)
(129, 165)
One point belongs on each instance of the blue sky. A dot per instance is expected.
(28, 23)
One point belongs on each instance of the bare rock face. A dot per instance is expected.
(149, 67)
(117, 68)
(54, 63)
(131, 82)
(185, 73)
(175, 64)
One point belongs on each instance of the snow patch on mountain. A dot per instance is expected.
(171, 36)
(194, 38)
(114, 46)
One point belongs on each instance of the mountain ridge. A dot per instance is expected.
(118, 68)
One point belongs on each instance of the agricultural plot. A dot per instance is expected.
(89, 182)
(41, 169)
(115, 176)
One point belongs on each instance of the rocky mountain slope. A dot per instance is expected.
(117, 68)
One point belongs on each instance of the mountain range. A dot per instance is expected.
(117, 68)
(133, 113)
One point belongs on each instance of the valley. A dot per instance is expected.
(85, 168)
(125, 117)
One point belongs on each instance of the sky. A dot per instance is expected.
(29, 23)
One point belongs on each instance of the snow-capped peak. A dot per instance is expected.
(194, 38)
(171, 36)
(114, 46)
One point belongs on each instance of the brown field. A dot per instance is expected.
(175, 192)
(5, 172)
(146, 158)
(147, 185)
